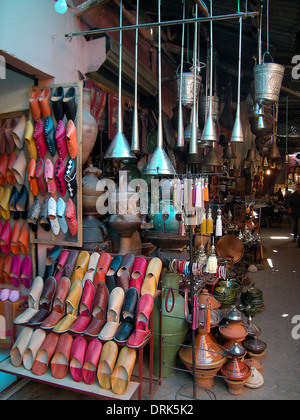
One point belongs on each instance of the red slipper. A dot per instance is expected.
(60, 360)
(138, 273)
(70, 215)
(102, 267)
(44, 355)
(142, 332)
(77, 358)
(91, 361)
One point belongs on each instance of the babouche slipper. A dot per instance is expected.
(106, 365)
(123, 369)
(102, 267)
(77, 358)
(125, 270)
(33, 301)
(44, 355)
(115, 303)
(85, 308)
(58, 311)
(127, 316)
(34, 345)
(72, 303)
(138, 273)
(61, 357)
(91, 361)
(143, 312)
(98, 311)
(153, 272)
(20, 346)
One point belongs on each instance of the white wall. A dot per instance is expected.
(34, 33)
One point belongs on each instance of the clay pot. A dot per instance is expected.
(209, 357)
(235, 369)
(90, 194)
(235, 387)
(255, 345)
(95, 235)
(89, 126)
(204, 297)
(233, 331)
(254, 363)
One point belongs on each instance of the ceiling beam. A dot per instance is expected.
(87, 6)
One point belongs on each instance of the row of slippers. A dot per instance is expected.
(95, 312)
(124, 271)
(45, 177)
(85, 360)
(55, 215)
(14, 239)
(14, 270)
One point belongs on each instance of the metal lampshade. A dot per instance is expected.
(159, 163)
(274, 152)
(251, 155)
(119, 147)
(237, 135)
(212, 158)
(229, 152)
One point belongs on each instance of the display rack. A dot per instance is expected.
(48, 238)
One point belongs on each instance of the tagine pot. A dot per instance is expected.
(205, 297)
(235, 369)
(209, 357)
(89, 126)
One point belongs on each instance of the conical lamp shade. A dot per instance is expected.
(119, 148)
(274, 152)
(159, 164)
(212, 158)
(229, 152)
(237, 135)
(251, 155)
(209, 132)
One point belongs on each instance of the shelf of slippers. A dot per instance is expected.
(85, 291)
(17, 256)
(53, 136)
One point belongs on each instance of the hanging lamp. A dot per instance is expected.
(159, 163)
(209, 132)
(119, 148)
(193, 143)
(237, 131)
(180, 132)
(135, 144)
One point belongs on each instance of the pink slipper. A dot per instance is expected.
(14, 296)
(4, 294)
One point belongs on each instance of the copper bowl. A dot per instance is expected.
(230, 247)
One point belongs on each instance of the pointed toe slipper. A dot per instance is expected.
(98, 311)
(91, 361)
(106, 365)
(61, 357)
(123, 369)
(102, 267)
(153, 272)
(44, 355)
(141, 332)
(111, 274)
(80, 266)
(138, 273)
(78, 351)
(35, 343)
(125, 270)
(92, 266)
(20, 346)
(33, 302)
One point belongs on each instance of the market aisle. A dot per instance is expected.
(281, 367)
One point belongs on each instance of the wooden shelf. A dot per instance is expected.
(68, 382)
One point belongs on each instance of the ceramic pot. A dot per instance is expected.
(174, 325)
(204, 297)
(233, 331)
(235, 369)
(235, 387)
(95, 235)
(89, 126)
(171, 224)
(255, 345)
(90, 194)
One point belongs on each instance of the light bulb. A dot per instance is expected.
(61, 6)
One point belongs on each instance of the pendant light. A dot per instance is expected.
(209, 132)
(286, 156)
(159, 163)
(135, 145)
(213, 158)
(119, 148)
(193, 143)
(237, 132)
(180, 132)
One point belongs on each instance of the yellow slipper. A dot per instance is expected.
(72, 304)
(106, 365)
(81, 266)
(152, 276)
(123, 370)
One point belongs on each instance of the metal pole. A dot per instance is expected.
(120, 123)
(165, 23)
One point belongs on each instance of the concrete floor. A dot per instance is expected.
(281, 363)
